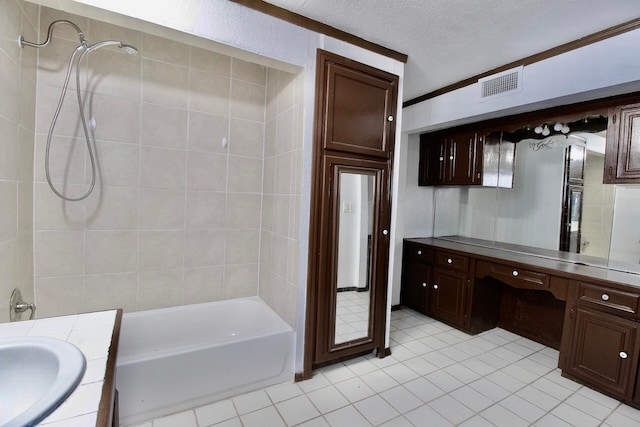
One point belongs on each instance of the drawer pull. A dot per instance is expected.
(419, 252)
(605, 297)
(623, 355)
(435, 286)
(515, 273)
(449, 261)
(424, 285)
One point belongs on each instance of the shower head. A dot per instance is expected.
(127, 48)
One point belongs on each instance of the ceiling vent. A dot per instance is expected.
(501, 84)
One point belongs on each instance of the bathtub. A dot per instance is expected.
(178, 358)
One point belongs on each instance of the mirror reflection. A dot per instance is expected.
(558, 205)
(355, 225)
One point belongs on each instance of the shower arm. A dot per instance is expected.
(22, 42)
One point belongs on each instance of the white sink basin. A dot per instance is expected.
(36, 375)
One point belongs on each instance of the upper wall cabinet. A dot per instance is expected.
(450, 159)
(622, 157)
(359, 108)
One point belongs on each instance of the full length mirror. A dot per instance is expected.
(558, 205)
(355, 226)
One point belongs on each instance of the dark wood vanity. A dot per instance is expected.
(591, 314)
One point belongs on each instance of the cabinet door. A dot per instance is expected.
(431, 167)
(415, 283)
(462, 159)
(604, 351)
(622, 157)
(446, 296)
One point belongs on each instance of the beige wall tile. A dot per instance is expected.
(58, 296)
(53, 213)
(243, 210)
(209, 93)
(117, 163)
(59, 253)
(283, 174)
(162, 168)
(112, 208)
(284, 132)
(280, 255)
(206, 210)
(164, 83)
(240, 281)
(8, 149)
(210, 62)
(8, 270)
(9, 78)
(203, 284)
(160, 250)
(114, 72)
(245, 175)
(68, 123)
(162, 49)
(159, 289)
(161, 209)
(106, 291)
(111, 251)
(206, 132)
(26, 149)
(249, 72)
(10, 25)
(267, 212)
(164, 126)
(242, 247)
(247, 101)
(99, 30)
(206, 171)
(270, 138)
(204, 248)
(117, 119)
(66, 160)
(281, 209)
(246, 138)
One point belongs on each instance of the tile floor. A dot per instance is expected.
(436, 376)
(352, 315)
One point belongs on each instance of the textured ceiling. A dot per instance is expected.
(450, 40)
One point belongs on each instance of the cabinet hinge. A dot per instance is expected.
(614, 118)
(610, 170)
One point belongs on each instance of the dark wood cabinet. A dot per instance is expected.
(622, 156)
(450, 159)
(604, 351)
(415, 286)
(435, 283)
(446, 296)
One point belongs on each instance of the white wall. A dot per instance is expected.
(225, 25)
(625, 239)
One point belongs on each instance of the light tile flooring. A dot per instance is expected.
(436, 376)
(352, 315)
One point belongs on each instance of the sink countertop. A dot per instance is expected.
(91, 333)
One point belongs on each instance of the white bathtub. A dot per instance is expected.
(182, 357)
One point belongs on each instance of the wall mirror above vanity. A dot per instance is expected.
(539, 185)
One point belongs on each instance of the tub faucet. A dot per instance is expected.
(17, 306)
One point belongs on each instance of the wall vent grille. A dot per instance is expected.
(504, 83)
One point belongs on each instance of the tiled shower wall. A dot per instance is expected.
(17, 97)
(177, 216)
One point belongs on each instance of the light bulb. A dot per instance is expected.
(558, 127)
(565, 129)
(538, 129)
(546, 131)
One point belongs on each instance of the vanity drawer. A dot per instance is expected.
(520, 277)
(418, 252)
(618, 300)
(452, 261)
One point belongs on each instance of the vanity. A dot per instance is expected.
(590, 314)
(95, 400)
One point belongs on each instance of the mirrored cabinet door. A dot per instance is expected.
(356, 239)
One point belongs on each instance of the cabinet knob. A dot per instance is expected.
(424, 285)
(390, 118)
(419, 252)
(449, 261)
(515, 273)
(605, 297)
(441, 158)
(623, 355)
(435, 286)
(450, 157)
(385, 232)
